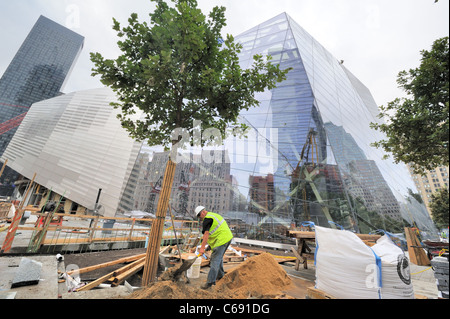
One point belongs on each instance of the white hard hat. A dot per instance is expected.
(198, 210)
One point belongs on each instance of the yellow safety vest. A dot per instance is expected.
(219, 233)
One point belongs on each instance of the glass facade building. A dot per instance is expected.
(307, 157)
(37, 72)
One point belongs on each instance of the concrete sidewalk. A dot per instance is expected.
(423, 281)
(47, 288)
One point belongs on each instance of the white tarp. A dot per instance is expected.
(346, 268)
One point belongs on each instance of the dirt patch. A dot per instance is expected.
(258, 277)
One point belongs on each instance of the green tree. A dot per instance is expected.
(439, 208)
(178, 69)
(417, 128)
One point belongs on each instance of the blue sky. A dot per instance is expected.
(375, 38)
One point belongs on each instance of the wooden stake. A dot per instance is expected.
(151, 260)
(3, 168)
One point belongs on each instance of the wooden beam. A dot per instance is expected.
(300, 259)
(95, 283)
(312, 235)
(110, 275)
(313, 293)
(417, 254)
(107, 264)
(119, 278)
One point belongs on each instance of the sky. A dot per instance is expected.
(376, 38)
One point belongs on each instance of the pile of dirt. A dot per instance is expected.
(258, 277)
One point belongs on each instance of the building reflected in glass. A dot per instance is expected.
(307, 157)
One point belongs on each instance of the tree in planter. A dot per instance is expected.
(417, 128)
(177, 70)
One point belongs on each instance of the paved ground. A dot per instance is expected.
(423, 280)
(48, 288)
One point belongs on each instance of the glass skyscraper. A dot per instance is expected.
(38, 71)
(307, 157)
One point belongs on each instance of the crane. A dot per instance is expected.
(304, 173)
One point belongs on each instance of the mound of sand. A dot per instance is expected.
(258, 277)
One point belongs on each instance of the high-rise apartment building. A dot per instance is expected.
(38, 72)
(431, 182)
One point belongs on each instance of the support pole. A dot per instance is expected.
(151, 260)
(3, 167)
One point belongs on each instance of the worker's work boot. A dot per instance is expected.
(206, 286)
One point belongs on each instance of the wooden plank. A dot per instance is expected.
(95, 283)
(118, 279)
(110, 275)
(280, 259)
(107, 264)
(299, 259)
(313, 293)
(416, 254)
(312, 235)
(86, 240)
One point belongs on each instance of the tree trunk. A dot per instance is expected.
(154, 242)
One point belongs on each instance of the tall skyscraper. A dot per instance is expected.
(38, 72)
(311, 138)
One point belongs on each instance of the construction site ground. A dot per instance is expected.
(51, 286)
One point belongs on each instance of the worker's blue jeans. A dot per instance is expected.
(216, 263)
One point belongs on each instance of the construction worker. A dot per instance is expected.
(218, 236)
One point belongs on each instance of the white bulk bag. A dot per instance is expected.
(395, 270)
(346, 268)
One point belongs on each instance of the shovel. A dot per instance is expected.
(184, 267)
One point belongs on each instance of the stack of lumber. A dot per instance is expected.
(4, 209)
(230, 256)
(116, 277)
